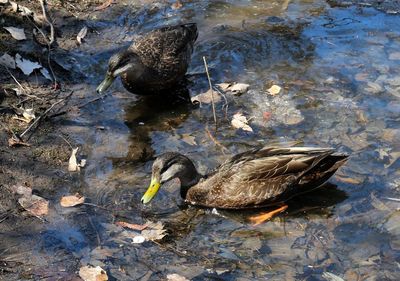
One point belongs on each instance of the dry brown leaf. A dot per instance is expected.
(206, 97)
(73, 165)
(177, 5)
(21, 190)
(72, 200)
(16, 33)
(35, 205)
(89, 273)
(189, 139)
(132, 225)
(154, 231)
(239, 121)
(176, 277)
(239, 88)
(274, 90)
(106, 4)
(82, 33)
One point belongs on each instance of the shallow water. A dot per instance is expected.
(338, 67)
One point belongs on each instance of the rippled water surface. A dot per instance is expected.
(339, 72)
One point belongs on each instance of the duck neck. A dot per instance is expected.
(185, 186)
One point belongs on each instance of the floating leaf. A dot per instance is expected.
(206, 97)
(25, 65)
(239, 121)
(72, 200)
(274, 90)
(35, 205)
(7, 61)
(177, 5)
(16, 33)
(154, 231)
(89, 273)
(82, 33)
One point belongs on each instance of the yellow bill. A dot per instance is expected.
(151, 191)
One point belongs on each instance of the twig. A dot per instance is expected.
(40, 117)
(392, 199)
(225, 105)
(223, 148)
(61, 136)
(211, 89)
(95, 229)
(44, 11)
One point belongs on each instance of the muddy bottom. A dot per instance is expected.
(336, 65)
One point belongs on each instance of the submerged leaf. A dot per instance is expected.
(274, 90)
(176, 277)
(239, 88)
(72, 200)
(154, 231)
(89, 273)
(131, 225)
(35, 205)
(206, 97)
(239, 121)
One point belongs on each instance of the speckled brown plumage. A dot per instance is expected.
(256, 178)
(164, 54)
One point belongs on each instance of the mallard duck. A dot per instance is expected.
(155, 62)
(256, 178)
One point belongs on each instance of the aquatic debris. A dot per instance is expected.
(274, 90)
(28, 114)
(154, 231)
(26, 65)
(16, 33)
(234, 88)
(34, 204)
(131, 225)
(206, 97)
(72, 200)
(189, 139)
(73, 165)
(7, 61)
(105, 5)
(239, 121)
(176, 277)
(177, 5)
(89, 273)
(82, 33)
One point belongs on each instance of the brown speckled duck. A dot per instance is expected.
(155, 62)
(257, 178)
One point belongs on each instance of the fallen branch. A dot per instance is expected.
(212, 91)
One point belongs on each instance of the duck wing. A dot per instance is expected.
(166, 48)
(266, 176)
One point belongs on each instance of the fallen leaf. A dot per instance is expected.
(21, 190)
(25, 65)
(73, 165)
(35, 205)
(72, 200)
(7, 61)
(224, 86)
(239, 121)
(89, 273)
(274, 90)
(189, 139)
(132, 225)
(154, 231)
(16, 33)
(28, 114)
(177, 5)
(13, 141)
(176, 277)
(104, 5)
(331, 277)
(81, 34)
(239, 88)
(206, 97)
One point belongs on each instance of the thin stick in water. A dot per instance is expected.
(211, 89)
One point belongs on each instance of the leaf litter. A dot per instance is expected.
(239, 121)
(34, 204)
(150, 231)
(73, 165)
(89, 273)
(72, 200)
